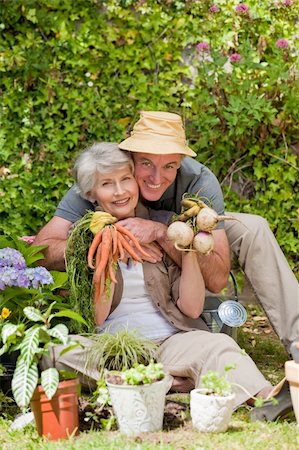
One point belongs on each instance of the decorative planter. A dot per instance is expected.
(57, 418)
(210, 413)
(292, 375)
(140, 408)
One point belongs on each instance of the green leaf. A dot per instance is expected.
(9, 330)
(29, 345)
(24, 383)
(60, 279)
(72, 345)
(71, 315)
(50, 381)
(33, 314)
(60, 332)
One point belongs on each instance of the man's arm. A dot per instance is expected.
(54, 234)
(215, 267)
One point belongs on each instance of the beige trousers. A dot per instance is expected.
(186, 354)
(268, 272)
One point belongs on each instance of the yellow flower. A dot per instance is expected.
(5, 313)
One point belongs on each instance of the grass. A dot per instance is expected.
(259, 341)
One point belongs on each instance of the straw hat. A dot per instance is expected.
(159, 133)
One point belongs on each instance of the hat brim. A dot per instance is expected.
(155, 145)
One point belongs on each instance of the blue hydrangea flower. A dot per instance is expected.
(10, 257)
(39, 276)
(10, 276)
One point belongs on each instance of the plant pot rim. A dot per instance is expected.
(203, 392)
(134, 386)
(73, 382)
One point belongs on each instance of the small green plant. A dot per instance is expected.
(216, 384)
(142, 374)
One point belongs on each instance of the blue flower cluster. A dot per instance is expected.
(13, 271)
(10, 257)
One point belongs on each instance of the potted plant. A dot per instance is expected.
(54, 401)
(211, 406)
(32, 330)
(138, 397)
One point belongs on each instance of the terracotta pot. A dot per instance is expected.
(57, 418)
(210, 413)
(138, 409)
(292, 375)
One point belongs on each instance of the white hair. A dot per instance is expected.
(100, 157)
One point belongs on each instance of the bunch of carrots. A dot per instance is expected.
(111, 243)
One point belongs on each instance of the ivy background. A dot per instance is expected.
(75, 72)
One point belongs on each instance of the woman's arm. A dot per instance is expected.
(192, 286)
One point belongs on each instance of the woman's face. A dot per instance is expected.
(116, 192)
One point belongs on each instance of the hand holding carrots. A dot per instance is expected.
(112, 242)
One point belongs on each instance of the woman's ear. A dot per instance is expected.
(90, 197)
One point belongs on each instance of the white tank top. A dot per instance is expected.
(136, 309)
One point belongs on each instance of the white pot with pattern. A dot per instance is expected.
(210, 413)
(139, 408)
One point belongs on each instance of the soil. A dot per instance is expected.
(91, 417)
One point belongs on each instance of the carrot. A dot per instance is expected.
(120, 248)
(105, 251)
(112, 273)
(114, 240)
(98, 256)
(132, 238)
(93, 247)
(97, 290)
(127, 246)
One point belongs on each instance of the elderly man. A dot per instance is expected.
(164, 172)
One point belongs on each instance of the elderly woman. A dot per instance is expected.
(161, 300)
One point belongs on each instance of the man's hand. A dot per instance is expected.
(154, 251)
(145, 231)
(149, 232)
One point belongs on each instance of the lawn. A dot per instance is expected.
(257, 338)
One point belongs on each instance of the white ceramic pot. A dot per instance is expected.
(138, 409)
(210, 413)
(292, 375)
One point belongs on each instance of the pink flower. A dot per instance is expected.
(242, 8)
(203, 47)
(282, 43)
(287, 3)
(28, 239)
(214, 9)
(235, 57)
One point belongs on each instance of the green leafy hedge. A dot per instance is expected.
(74, 72)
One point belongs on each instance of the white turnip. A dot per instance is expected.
(181, 234)
(203, 242)
(207, 219)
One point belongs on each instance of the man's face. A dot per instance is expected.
(155, 173)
